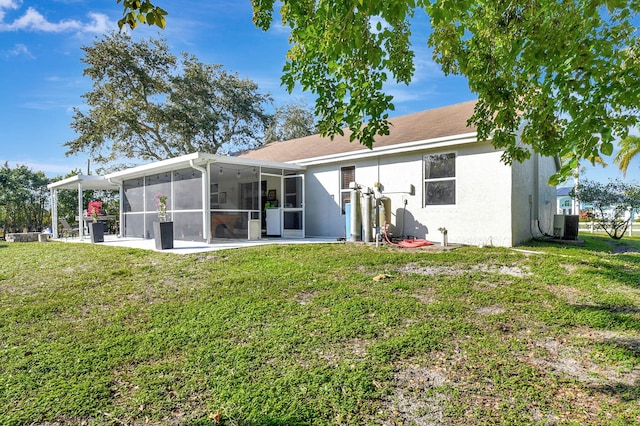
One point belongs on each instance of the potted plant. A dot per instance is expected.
(96, 229)
(162, 230)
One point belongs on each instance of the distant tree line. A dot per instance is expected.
(25, 200)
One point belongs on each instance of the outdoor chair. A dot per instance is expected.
(67, 230)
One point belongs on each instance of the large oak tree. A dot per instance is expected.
(562, 73)
(145, 104)
(291, 121)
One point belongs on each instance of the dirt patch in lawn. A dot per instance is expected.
(415, 398)
(425, 295)
(514, 271)
(569, 267)
(351, 350)
(578, 362)
(491, 310)
(571, 295)
(305, 297)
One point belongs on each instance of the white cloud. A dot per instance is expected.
(402, 93)
(32, 20)
(18, 50)
(279, 28)
(100, 23)
(7, 4)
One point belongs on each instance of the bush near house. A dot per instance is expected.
(320, 334)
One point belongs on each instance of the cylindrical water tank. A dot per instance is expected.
(384, 211)
(355, 216)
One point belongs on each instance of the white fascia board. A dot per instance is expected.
(154, 167)
(465, 138)
(259, 163)
(199, 159)
(87, 181)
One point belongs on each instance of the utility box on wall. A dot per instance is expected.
(565, 226)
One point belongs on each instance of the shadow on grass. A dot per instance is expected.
(618, 271)
(626, 253)
(608, 317)
(633, 258)
(600, 243)
(627, 393)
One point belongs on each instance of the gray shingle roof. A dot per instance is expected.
(564, 191)
(425, 125)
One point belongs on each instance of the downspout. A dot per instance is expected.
(536, 188)
(206, 204)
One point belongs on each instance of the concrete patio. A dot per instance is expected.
(189, 247)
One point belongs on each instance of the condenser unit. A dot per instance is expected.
(565, 226)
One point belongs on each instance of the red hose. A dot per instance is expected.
(406, 243)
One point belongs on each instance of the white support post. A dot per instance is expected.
(121, 214)
(54, 212)
(80, 215)
(206, 200)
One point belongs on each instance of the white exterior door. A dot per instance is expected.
(293, 206)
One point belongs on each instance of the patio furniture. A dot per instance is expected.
(102, 218)
(223, 225)
(67, 230)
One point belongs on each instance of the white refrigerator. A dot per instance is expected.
(273, 222)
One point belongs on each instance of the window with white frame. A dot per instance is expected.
(439, 179)
(347, 175)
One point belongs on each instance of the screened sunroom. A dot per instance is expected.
(212, 197)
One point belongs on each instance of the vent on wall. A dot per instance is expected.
(565, 226)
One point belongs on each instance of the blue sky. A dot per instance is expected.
(42, 81)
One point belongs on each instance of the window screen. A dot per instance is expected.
(347, 175)
(439, 179)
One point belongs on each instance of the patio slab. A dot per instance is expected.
(189, 247)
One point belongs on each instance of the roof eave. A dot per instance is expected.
(440, 142)
(87, 182)
(197, 158)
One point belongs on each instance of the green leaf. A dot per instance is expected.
(606, 148)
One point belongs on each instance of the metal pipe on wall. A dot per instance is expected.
(366, 217)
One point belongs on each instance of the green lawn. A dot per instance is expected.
(279, 335)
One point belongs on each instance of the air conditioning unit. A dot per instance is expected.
(565, 226)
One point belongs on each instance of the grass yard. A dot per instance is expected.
(320, 334)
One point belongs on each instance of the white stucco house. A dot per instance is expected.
(430, 173)
(565, 203)
(435, 174)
